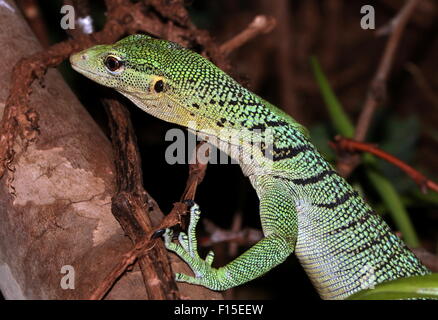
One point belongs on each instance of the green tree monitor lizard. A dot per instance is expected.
(305, 206)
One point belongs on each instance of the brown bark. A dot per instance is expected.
(131, 206)
(55, 201)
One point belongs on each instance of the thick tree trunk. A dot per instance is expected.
(55, 202)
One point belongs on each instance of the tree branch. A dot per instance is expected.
(129, 206)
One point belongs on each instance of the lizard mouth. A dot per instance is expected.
(86, 72)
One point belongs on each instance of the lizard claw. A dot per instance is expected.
(158, 233)
(190, 203)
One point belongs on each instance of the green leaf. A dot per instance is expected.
(418, 287)
(339, 118)
(394, 203)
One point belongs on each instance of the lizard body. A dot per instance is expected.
(305, 206)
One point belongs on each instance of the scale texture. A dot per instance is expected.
(305, 206)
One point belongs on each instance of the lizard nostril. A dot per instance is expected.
(84, 57)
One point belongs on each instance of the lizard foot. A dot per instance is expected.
(187, 249)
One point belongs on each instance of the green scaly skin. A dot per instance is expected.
(305, 206)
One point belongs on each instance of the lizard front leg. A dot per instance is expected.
(279, 223)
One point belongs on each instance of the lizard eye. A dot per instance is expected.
(113, 64)
(159, 86)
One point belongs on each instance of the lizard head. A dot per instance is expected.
(159, 76)
(180, 86)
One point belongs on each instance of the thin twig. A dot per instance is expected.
(348, 145)
(128, 260)
(260, 25)
(377, 92)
